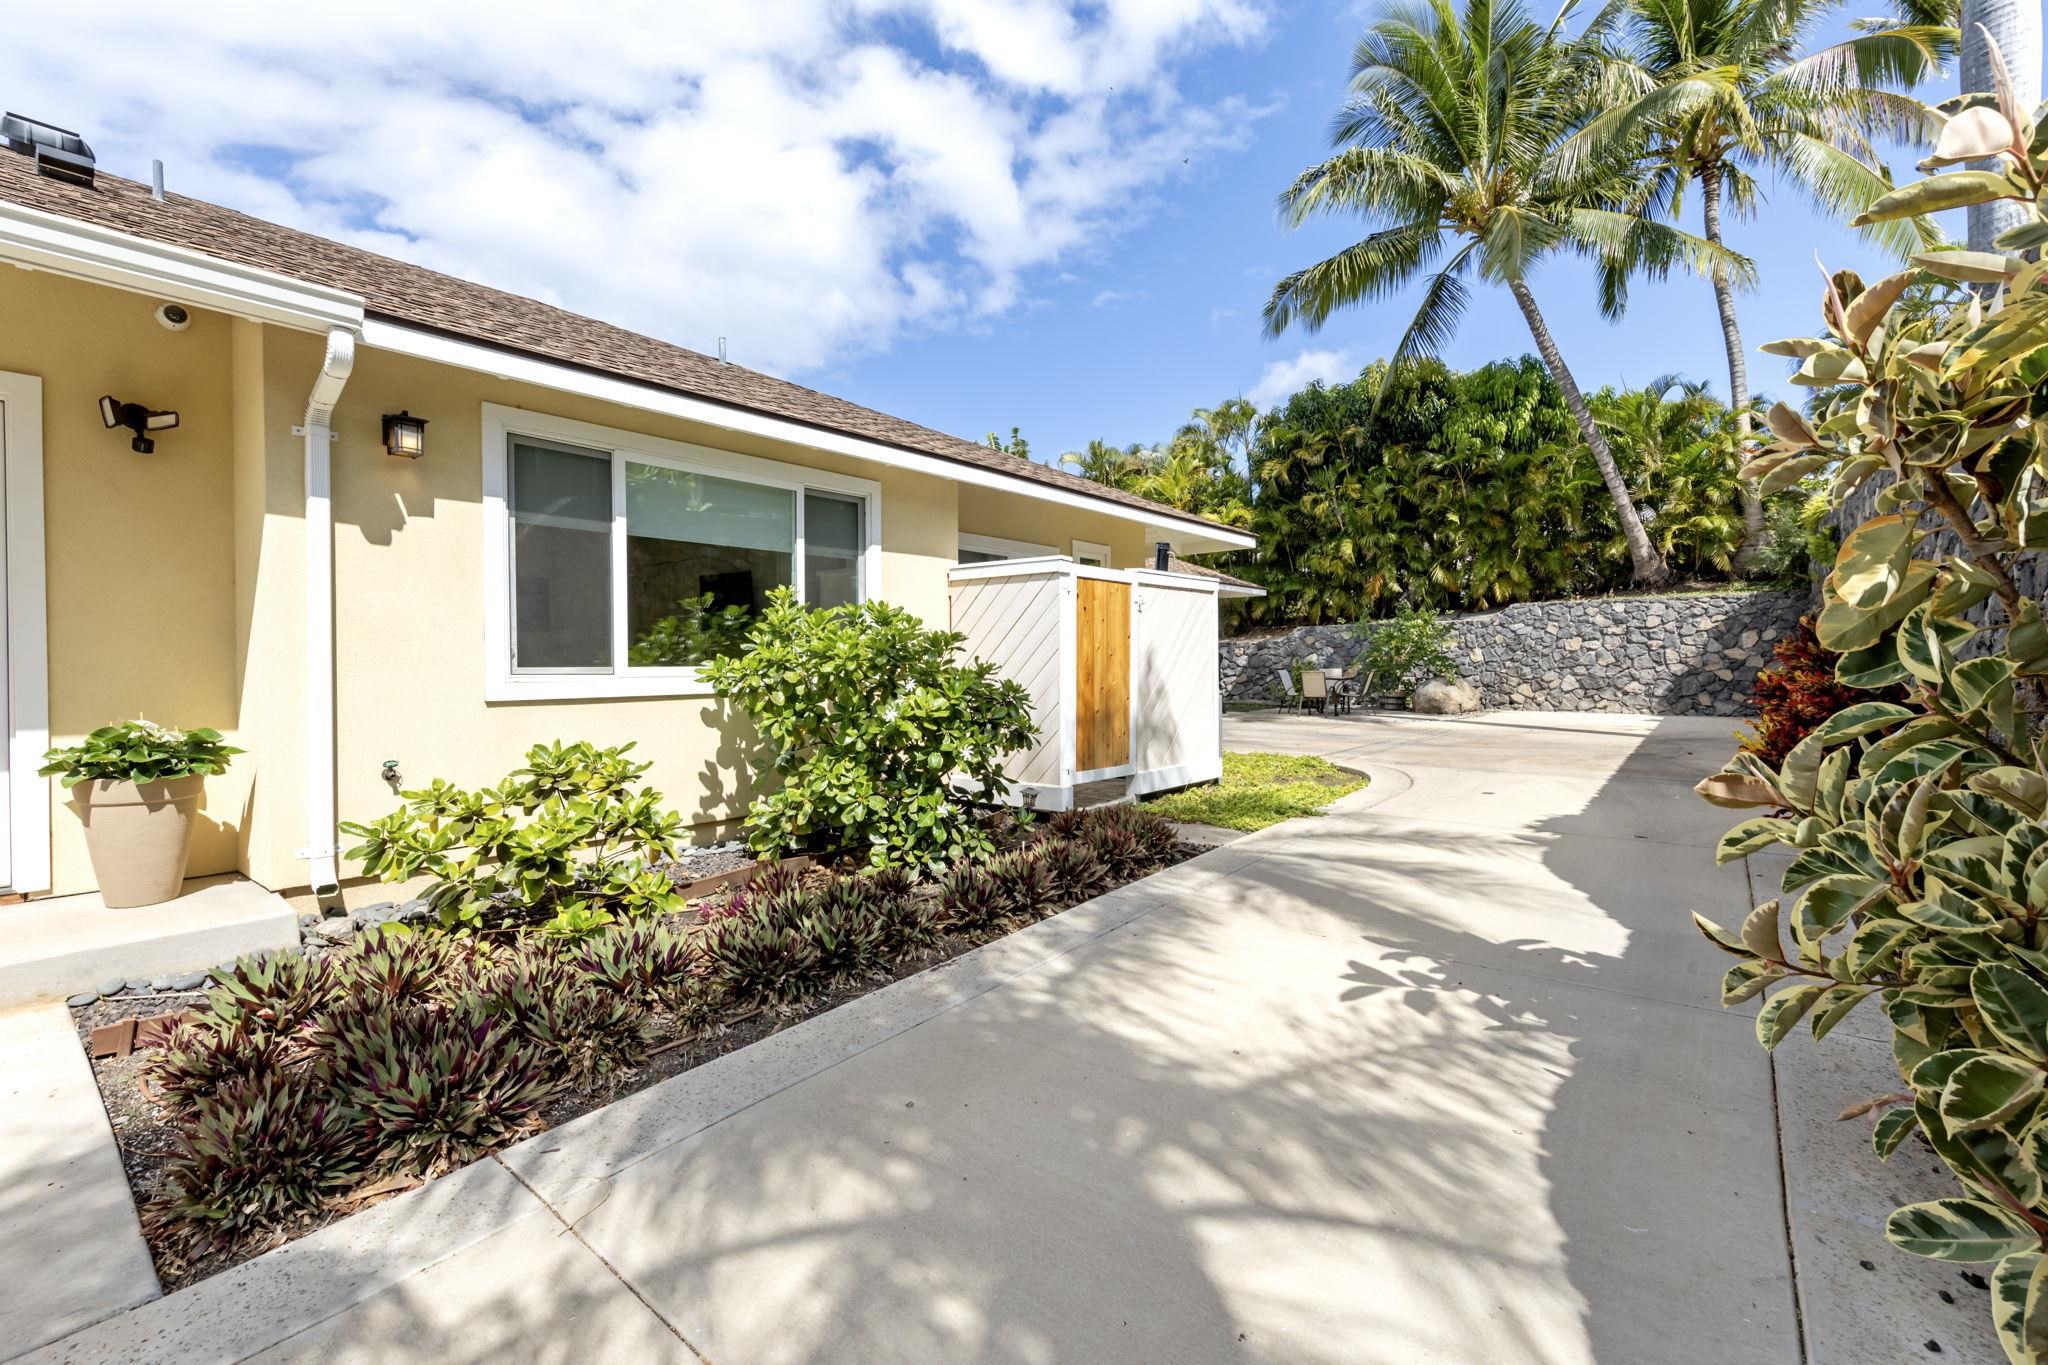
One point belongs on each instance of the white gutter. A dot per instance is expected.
(1188, 534)
(36, 240)
(322, 851)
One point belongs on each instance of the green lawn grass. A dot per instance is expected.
(1258, 790)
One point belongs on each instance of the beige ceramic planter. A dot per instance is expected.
(139, 835)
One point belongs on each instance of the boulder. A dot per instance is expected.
(1446, 697)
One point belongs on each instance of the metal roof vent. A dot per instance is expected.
(58, 152)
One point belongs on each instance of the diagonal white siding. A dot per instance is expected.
(1014, 623)
(1177, 729)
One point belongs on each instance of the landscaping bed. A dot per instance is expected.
(700, 982)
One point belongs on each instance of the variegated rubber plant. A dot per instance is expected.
(1918, 879)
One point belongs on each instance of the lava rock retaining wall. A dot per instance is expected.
(1695, 654)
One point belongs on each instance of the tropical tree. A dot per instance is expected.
(1449, 143)
(1682, 452)
(1016, 445)
(1230, 428)
(1114, 466)
(1714, 93)
(1991, 28)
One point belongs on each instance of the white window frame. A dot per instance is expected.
(1084, 550)
(501, 424)
(1008, 549)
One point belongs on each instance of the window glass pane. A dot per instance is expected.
(832, 550)
(561, 558)
(980, 557)
(702, 555)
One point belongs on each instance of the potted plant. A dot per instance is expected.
(136, 786)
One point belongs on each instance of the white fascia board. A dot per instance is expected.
(83, 251)
(1189, 536)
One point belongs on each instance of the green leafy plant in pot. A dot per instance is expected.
(136, 787)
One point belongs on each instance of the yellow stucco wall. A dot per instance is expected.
(409, 587)
(140, 548)
(176, 580)
(989, 512)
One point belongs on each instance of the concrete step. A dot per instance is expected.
(71, 1249)
(63, 945)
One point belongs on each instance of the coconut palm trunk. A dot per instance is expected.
(1649, 566)
(1755, 533)
(2015, 25)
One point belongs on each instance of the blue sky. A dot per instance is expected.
(1053, 214)
(1195, 275)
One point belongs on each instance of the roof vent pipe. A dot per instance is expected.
(1161, 553)
(156, 181)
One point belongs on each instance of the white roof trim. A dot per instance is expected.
(1190, 536)
(65, 246)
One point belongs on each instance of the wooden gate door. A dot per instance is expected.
(1102, 675)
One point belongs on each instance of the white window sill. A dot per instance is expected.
(594, 686)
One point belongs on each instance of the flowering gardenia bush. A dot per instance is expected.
(870, 720)
(1919, 881)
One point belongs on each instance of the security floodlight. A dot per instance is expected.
(138, 419)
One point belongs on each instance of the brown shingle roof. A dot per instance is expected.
(1175, 564)
(411, 294)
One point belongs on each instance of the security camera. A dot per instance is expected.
(137, 419)
(173, 317)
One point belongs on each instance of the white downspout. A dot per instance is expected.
(322, 851)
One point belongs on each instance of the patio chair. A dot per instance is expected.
(1315, 689)
(1290, 700)
(1344, 687)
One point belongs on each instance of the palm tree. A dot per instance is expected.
(1449, 142)
(1712, 93)
(1107, 464)
(2015, 25)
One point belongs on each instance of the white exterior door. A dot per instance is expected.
(7, 419)
(24, 648)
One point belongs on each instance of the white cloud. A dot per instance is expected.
(1283, 377)
(774, 172)
(1115, 298)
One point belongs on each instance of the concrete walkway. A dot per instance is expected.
(1437, 1077)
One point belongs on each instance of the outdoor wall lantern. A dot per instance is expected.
(138, 419)
(405, 435)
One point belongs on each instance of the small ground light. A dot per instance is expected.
(405, 435)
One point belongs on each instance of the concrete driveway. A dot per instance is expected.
(1436, 1077)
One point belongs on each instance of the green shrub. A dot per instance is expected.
(263, 1150)
(649, 964)
(760, 959)
(1073, 867)
(569, 843)
(868, 720)
(579, 1030)
(139, 751)
(1025, 879)
(973, 898)
(1798, 692)
(1920, 872)
(694, 632)
(1413, 640)
(273, 992)
(203, 1056)
(910, 921)
(437, 1085)
(848, 925)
